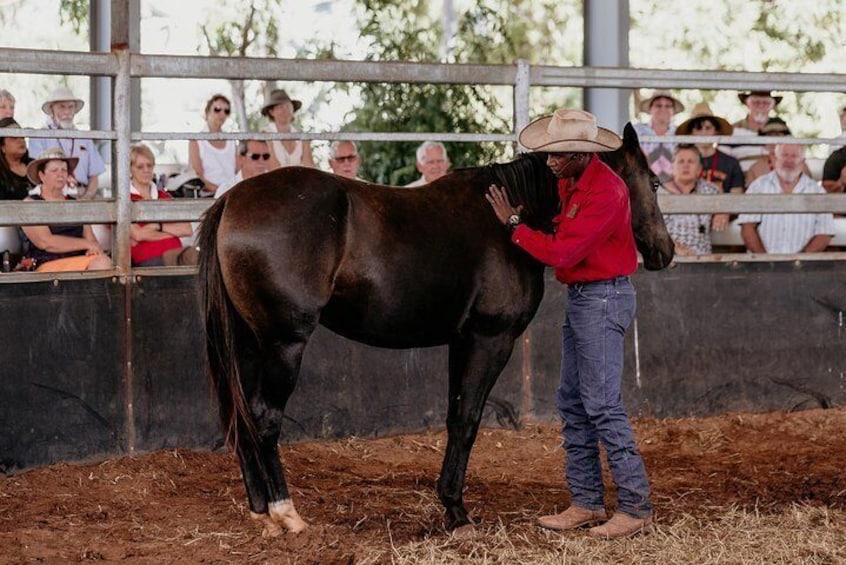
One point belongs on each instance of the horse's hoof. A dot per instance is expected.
(283, 512)
(467, 531)
(270, 528)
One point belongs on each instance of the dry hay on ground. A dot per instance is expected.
(743, 488)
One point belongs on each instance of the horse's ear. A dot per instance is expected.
(630, 136)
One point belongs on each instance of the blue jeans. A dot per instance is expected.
(589, 398)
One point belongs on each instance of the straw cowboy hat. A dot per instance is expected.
(570, 131)
(277, 97)
(744, 95)
(52, 154)
(702, 110)
(62, 94)
(647, 103)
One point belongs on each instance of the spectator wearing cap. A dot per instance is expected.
(213, 159)
(253, 160)
(344, 159)
(661, 106)
(61, 108)
(786, 233)
(7, 104)
(775, 127)
(280, 110)
(718, 168)
(14, 157)
(66, 247)
(759, 104)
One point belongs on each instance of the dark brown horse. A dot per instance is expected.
(387, 266)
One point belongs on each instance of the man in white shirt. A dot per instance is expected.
(786, 233)
(432, 162)
(253, 157)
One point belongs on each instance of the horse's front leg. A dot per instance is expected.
(475, 362)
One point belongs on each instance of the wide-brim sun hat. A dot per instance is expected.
(52, 154)
(568, 131)
(279, 96)
(702, 110)
(744, 95)
(646, 103)
(62, 94)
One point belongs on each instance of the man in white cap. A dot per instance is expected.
(62, 107)
(661, 106)
(593, 252)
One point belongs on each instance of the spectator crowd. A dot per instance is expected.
(59, 167)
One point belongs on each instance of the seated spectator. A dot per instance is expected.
(661, 107)
(691, 233)
(14, 157)
(7, 104)
(786, 233)
(718, 168)
(253, 160)
(62, 107)
(834, 169)
(213, 160)
(432, 162)
(154, 244)
(54, 248)
(759, 104)
(775, 127)
(280, 110)
(344, 159)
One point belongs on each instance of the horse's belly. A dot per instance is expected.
(384, 318)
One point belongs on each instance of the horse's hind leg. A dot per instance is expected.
(475, 362)
(277, 366)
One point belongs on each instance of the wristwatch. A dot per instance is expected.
(512, 222)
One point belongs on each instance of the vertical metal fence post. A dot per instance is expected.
(521, 95)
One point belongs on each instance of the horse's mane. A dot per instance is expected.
(530, 183)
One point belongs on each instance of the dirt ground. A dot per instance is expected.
(364, 498)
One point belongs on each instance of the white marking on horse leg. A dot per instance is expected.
(283, 511)
(271, 529)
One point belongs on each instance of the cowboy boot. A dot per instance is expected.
(572, 518)
(622, 526)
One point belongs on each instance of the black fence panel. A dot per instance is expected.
(61, 367)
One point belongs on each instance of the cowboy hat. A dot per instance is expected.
(646, 104)
(570, 131)
(744, 95)
(702, 110)
(277, 97)
(52, 154)
(62, 94)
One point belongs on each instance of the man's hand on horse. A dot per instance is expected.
(499, 201)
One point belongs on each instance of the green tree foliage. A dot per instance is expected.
(490, 31)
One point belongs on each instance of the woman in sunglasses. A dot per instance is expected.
(280, 110)
(213, 160)
(155, 244)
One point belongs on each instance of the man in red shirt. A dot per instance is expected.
(592, 250)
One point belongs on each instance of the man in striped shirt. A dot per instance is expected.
(786, 233)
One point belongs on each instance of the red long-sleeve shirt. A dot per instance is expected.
(592, 239)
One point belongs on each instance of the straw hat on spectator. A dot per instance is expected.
(702, 110)
(52, 154)
(570, 131)
(744, 95)
(279, 96)
(61, 94)
(646, 104)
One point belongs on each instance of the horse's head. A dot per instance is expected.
(651, 237)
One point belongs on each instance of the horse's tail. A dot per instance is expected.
(222, 325)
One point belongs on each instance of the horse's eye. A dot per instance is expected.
(655, 185)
